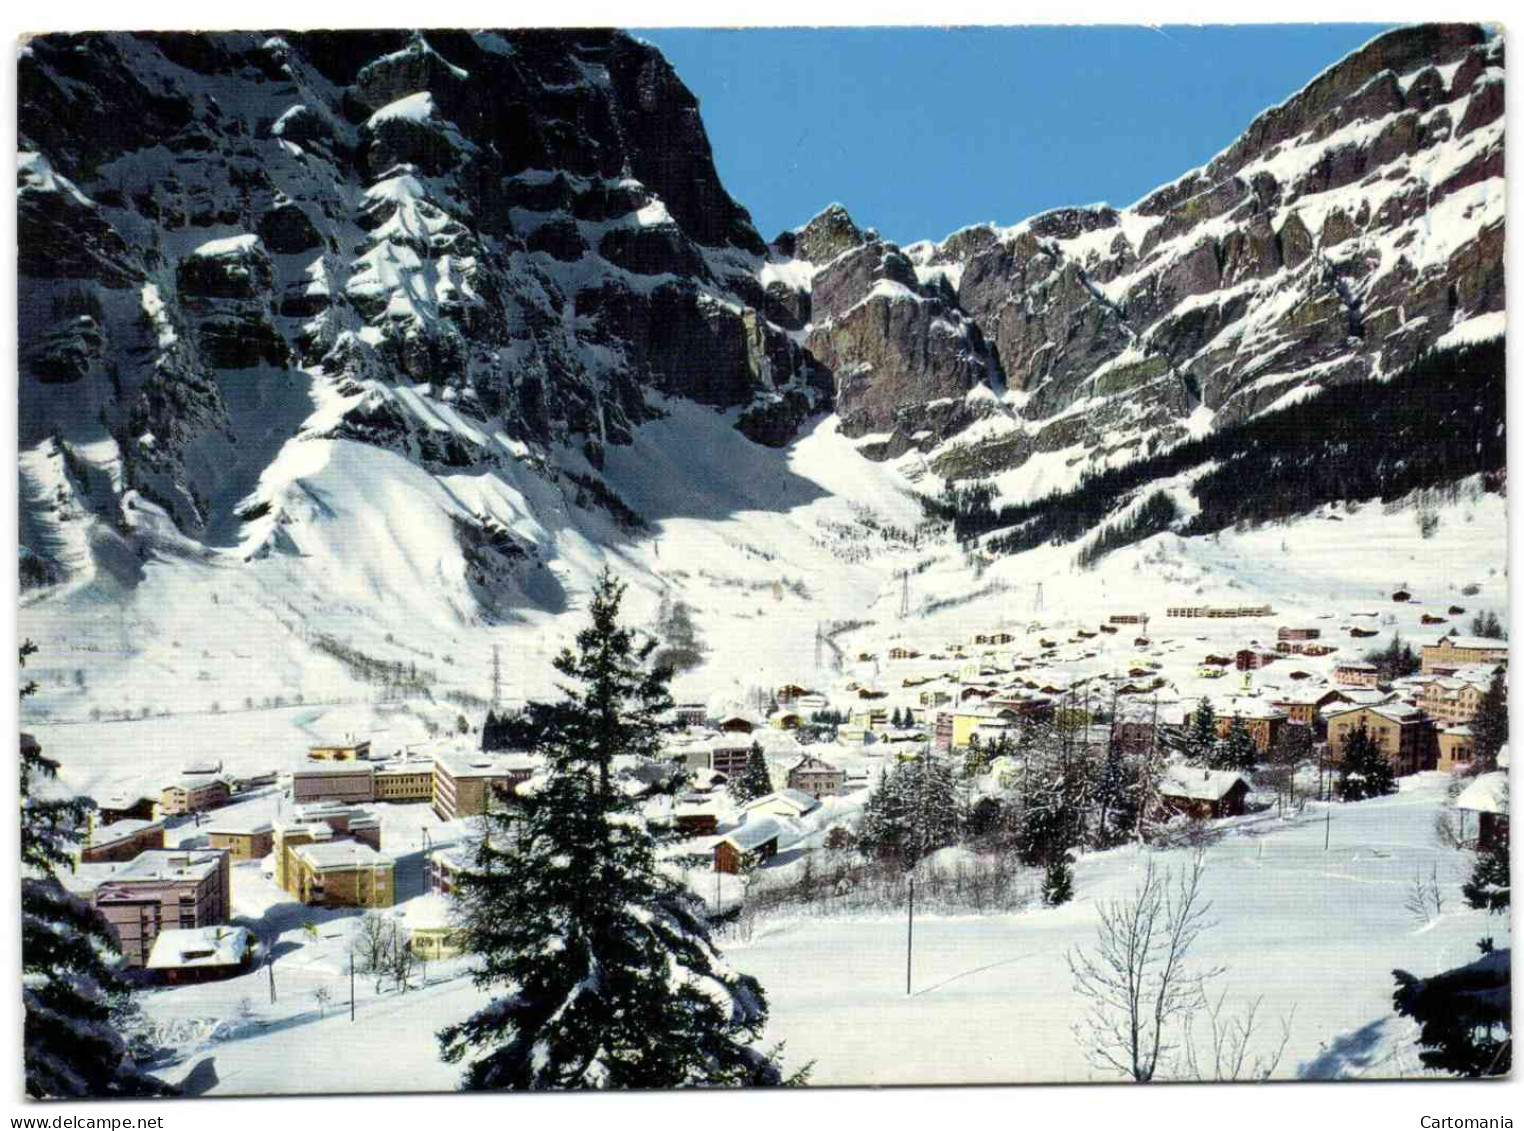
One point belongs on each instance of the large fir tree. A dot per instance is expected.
(1490, 726)
(1199, 743)
(603, 971)
(1236, 751)
(70, 985)
(1465, 1015)
(1364, 770)
(755, 781)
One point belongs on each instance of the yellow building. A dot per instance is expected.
(411, 780)
(432, 933)
(340, 752)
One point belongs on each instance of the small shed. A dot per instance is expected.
(753, 843)
(784, 803)
(1487, 797)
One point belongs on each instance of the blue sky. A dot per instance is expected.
(922, 131)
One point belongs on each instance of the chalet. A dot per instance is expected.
(200, 954)
(1210, 671)
(1203, 794)
(1110, 630)
(1402, 596)
(784, 803)
(1319, 650)
(871, 693)
(1402, 733)
(812, 702)
(193, 794)
(1427, 619)
(751, 844)
(163, 889)
(901, 653)
(853, 735)
(789, 692)
(125, 805)
(121, 840)
(1456, 611)
(784, 720)
(1457, 748)
(934, 698)
(1487, 797)
(1356, 673)
(737, 722)
(728, 757)
(1363, 633)
(817, 778)
(1127, 618)
(1451, 653)
(1252, 659)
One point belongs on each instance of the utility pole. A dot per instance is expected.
(351, 983)
(1327, 825)
(909, 936)
(904, 593)
(497, 676)
(270, 966)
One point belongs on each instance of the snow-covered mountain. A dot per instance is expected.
(340, 344)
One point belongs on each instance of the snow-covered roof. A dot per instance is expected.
(793, 798)
(430, 911)
(1470, 642)
(342, 855)
(178, 948)
(480, 764)
(119, 831)
(1197, 785)
(752, 835)
(1487, 794)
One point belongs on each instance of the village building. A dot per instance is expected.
(405, 780)
(1457, 748)
(1452, 653)
(121, 840)
(1400, 732)
(1219, 612)
(789, 692)
(125, 805)
(784, 803)
(1287, 632)
(1203, 794)
(751, 844)
(1356, 673)
(816, 777)
(738, 722)
(468, 783)
(346, 782)
(446, 866)
(691, 714)
(934, 698)
(1263, 720)
(200, 954)
(1487, 797)
(812, 702)
(340, 873)
(1304, 707)
(348, 751)
(249, 839)
(784, 720)
(193, 794)
(1453, 700)
(162, 889)
(1252, 659)
(695, 816)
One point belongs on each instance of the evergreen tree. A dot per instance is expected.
(1199, 744)
(1364, 770)
(882, 826)
(1490, 726)
(1116, 798)
(1464, 1014)
(1237, 750)
(933, 808)
(754, 781)
(603, 970)
(1057, 882)
(490, 731)
(1488, 625)
(70, 985)
(976, 760)
(1488, 887)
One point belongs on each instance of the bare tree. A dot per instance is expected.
(403, 959)
(1231, 1050)
(1138, 982)
(1425, 900)
(321, 994)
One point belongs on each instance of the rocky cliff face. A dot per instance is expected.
(1339, 237)
(481, 251)
(451, 246)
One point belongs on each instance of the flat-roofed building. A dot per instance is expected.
(1451, 653)
(347, 751)
(194, 793)
(348, 782)
(467, 783)
(246, 839)
(162, 889)
(410, 779)
(121, 840)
